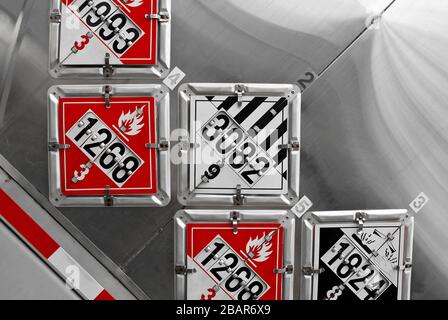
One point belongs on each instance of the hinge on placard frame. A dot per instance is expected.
(107, 93)
(183, 270)
(294, 146)
(287, 269)
(235, 218)
(186, 145)
(238, 198)
(161, 145)
(56, 146)
(310, 271)
(407, 265)
(108, 198)
(108, 70)
(239, 91)
(55, 16)
(163, 16)
(360, 218)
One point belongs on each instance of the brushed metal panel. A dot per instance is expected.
(374, 125)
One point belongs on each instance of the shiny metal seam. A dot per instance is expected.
(351, 44)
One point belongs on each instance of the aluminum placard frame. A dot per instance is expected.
(185, 217)
(114, 71)
(162, 106)
(314, 222)
(293, 97)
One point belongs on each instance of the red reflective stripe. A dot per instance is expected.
(104, 295)
(26, 226)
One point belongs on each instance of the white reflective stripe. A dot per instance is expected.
(69, 268)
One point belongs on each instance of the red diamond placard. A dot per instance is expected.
(108, 146)
(234, 266)
(121, 28)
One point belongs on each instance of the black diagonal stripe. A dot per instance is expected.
(280, 156)
(285, 175)
(210, 98)
(277, 134)
(228, 103)
(359, 241)
(268, 116)
(249, 108)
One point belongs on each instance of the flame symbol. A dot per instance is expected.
(130, 123)
(258, 248)
(133, 3)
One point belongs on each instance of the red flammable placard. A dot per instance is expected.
(124, 29)
(234, 266)
(107, 146)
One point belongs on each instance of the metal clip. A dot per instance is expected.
(238, 198)
(55, 16)
(360, 217)
(183, 270)
(240, 90)
(407, 265)
(162, 145)
(108, 70)
(162, 16)
(310, 271)
(235, 217)
(294, 146)
(108, 198)
(107, 94)
(185, 145)
(288, 269)
(56, 146)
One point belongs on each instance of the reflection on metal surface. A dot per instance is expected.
(10, 56)
(383, 109)
(374, 125)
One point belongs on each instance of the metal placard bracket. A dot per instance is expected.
(310, 271)
(163, 16)
(288, 269)
(162, 145)
(108, 70)
(238, 198)
(108, 198)
(294, 146)
(107, 93)
(183, 270)
(235, 218)
(56, 146)
(55, 16)
(239, 91)
(407, 265)
(360, 218)
(186, 145)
